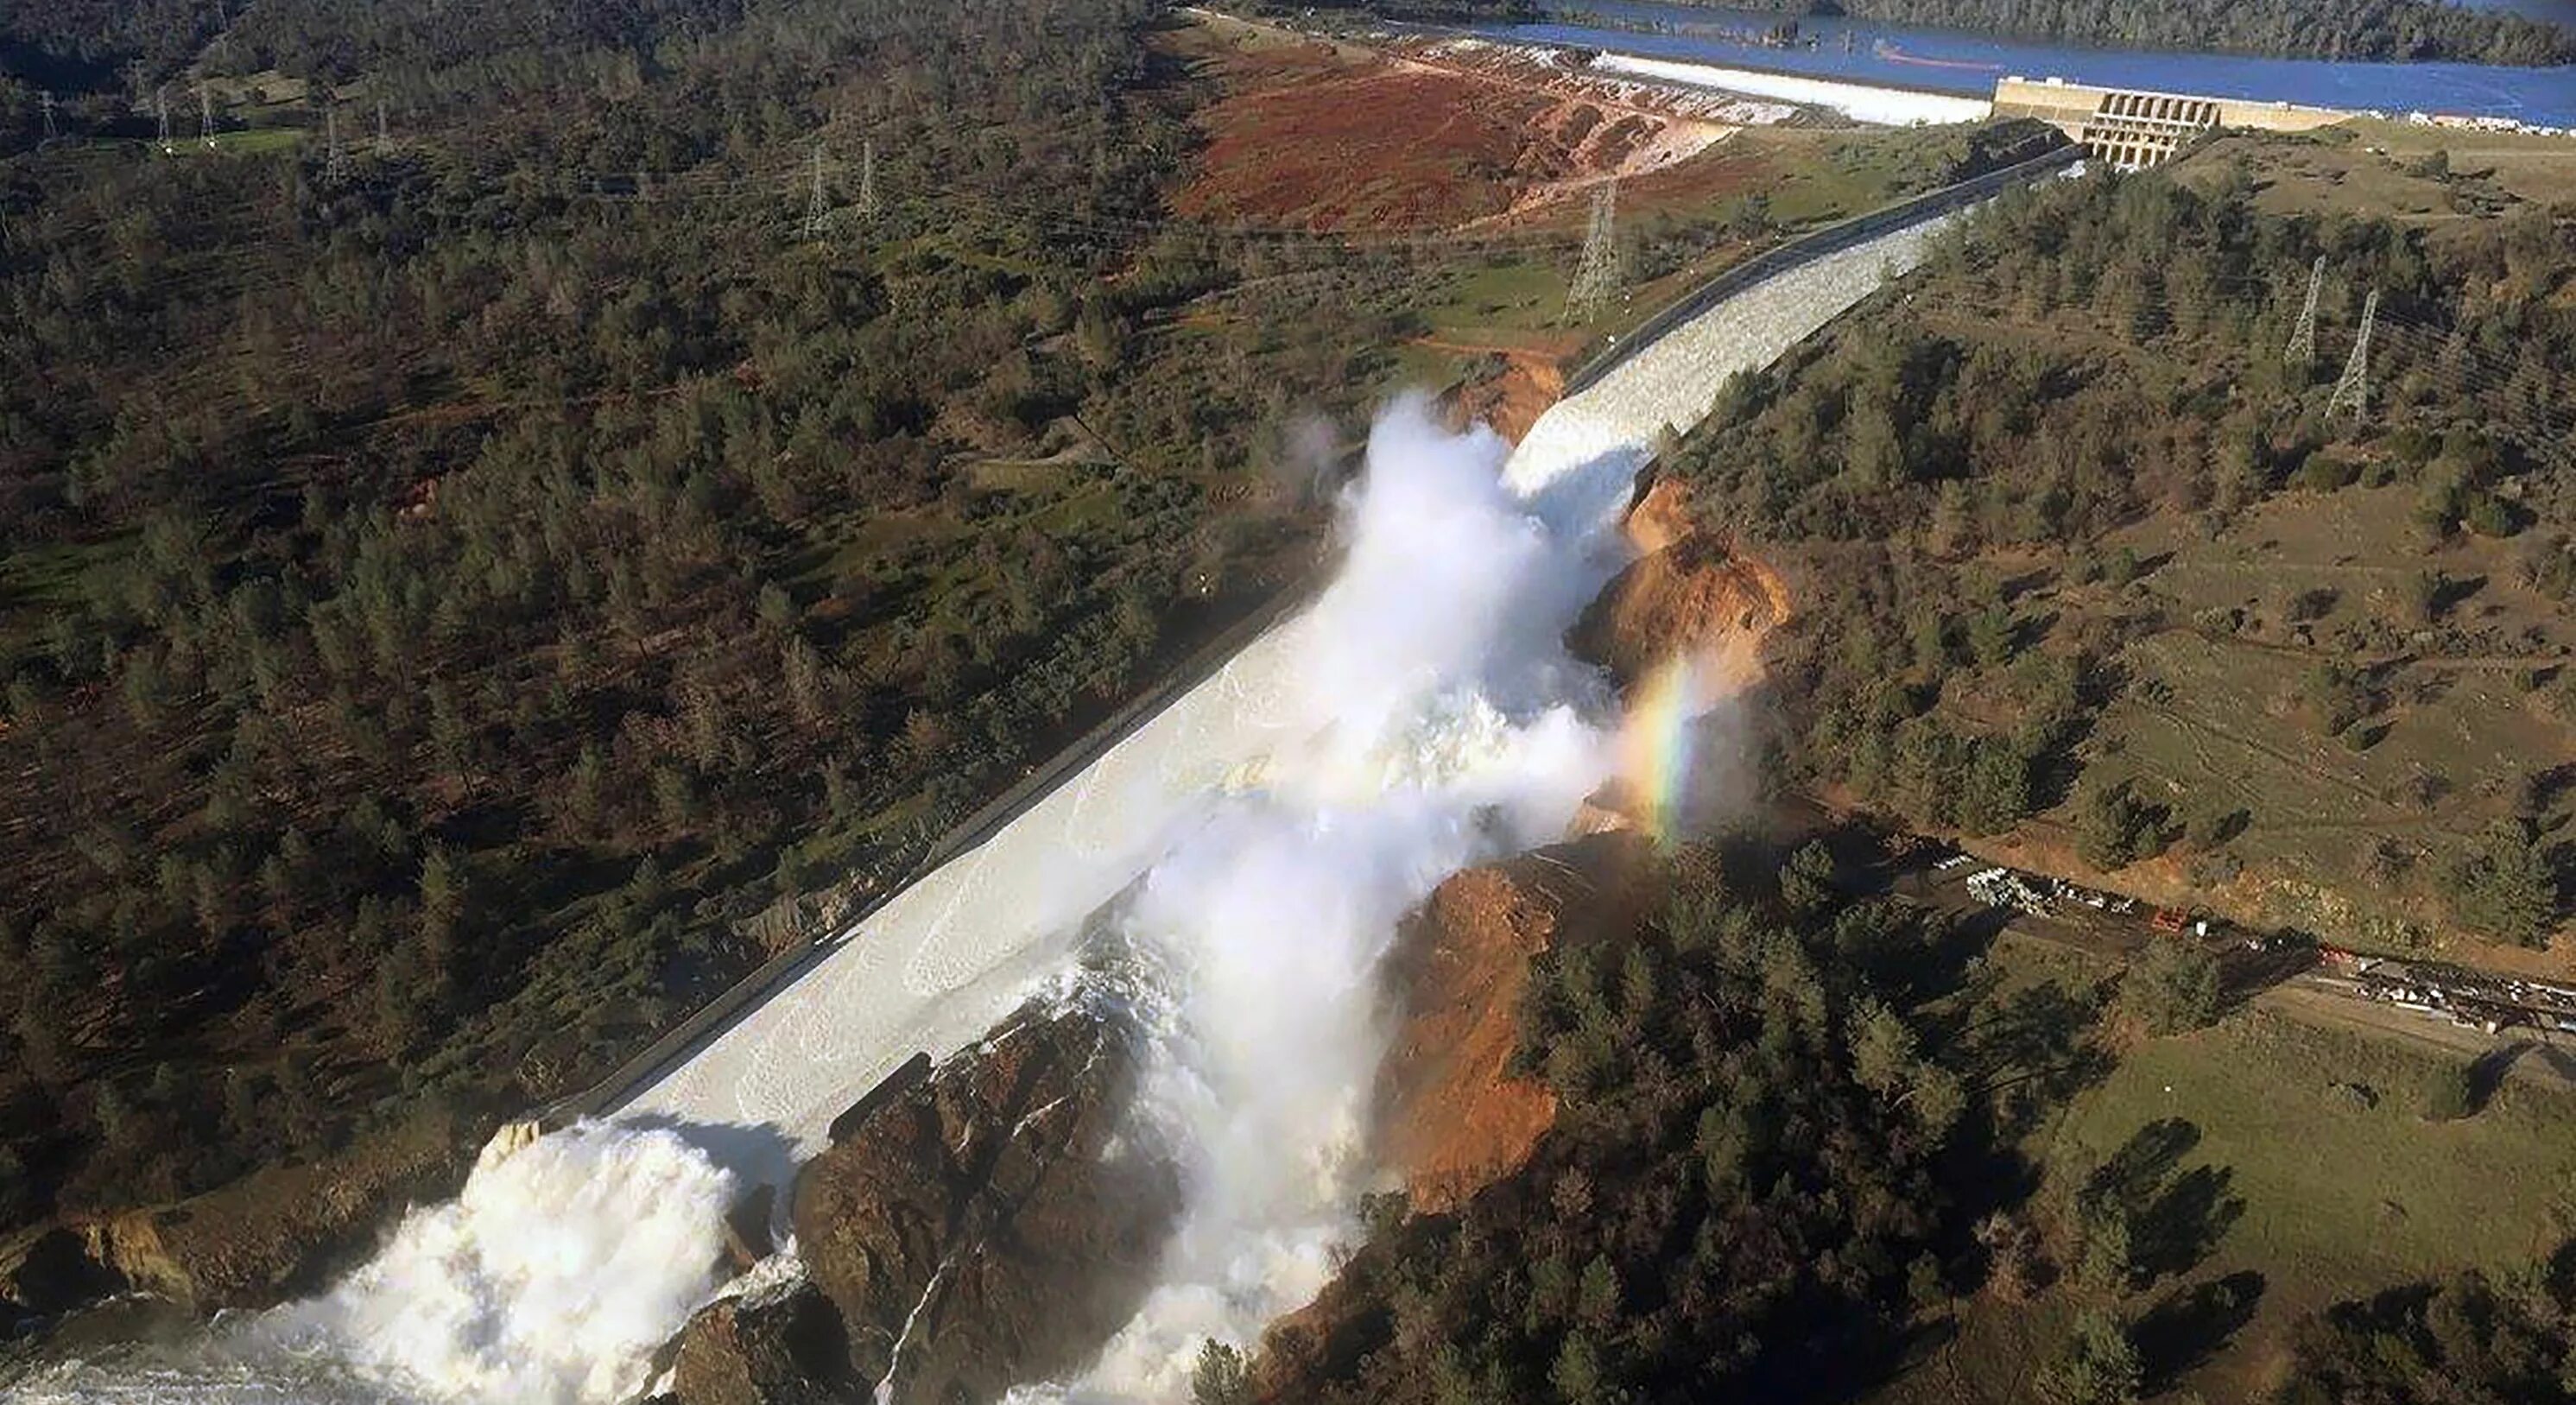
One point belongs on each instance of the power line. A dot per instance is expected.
(2353, 390)
(2433, 352)
(2303, 342)
(815, 209)
(335, 165)
(1596, 273)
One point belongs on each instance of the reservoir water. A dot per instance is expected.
(1947, 60)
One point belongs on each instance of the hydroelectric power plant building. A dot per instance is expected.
(2132, 130)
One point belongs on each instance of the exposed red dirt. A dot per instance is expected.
(1511, 396)
(1452, 1118)
(1328, 137)
(1690, 594)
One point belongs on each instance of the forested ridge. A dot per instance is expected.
(2104, 354)
(1793, 1161)
(448, 590)
(2402, 30)
(1771, 1137)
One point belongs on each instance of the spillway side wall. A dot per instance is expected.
(683, 1039)
(1832, 239)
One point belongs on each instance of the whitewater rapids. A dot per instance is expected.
(1289, 809)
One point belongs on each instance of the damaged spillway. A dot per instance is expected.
(1255, 844)
(937, 966)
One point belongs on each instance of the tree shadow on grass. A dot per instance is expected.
(2034, 1051)
(2134, 1173)
(2489, 1070)
(2185, 1221)
(2193, 1323)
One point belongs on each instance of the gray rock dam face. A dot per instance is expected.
(937, 966)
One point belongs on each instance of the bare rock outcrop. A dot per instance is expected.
(987, 1226)
(780, 1343)
(252, 1243)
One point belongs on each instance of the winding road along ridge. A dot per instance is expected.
(935, 967)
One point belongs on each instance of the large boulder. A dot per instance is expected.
(987, 1226)
(779, 1342)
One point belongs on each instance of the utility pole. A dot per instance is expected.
(2353, 391)
(868, 178)
(815, 210)
(1596, 274)
(206, 116)
(2303, 342)
(161, 109)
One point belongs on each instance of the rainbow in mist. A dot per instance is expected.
(1657, 744)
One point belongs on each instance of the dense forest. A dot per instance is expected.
(2098, 354)
(476, 537)
(1771, 1147)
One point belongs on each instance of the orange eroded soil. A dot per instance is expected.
(1452, 1117)
(1330, 137)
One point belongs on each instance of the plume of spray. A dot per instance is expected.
(1449, 726)
(551, 1278)
(1444, 725)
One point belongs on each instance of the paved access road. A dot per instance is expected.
(934, 968)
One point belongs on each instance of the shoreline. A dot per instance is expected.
(1874, 103)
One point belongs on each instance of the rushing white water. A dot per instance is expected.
(1449, 726)
(549, 1280)
(1420, 718)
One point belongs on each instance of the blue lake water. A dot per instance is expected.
(1950, 60)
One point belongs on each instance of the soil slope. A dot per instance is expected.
(1333, 137)
(1688, 594)
(1453, 1117)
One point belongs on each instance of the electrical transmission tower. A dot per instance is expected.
(868, 179)
(161, 109)
(51, 135)
(380, 124)
(2303, 342)
(2353, 391)
(206, 116)
(335, 163)
(815, 209)
(1596, 275)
